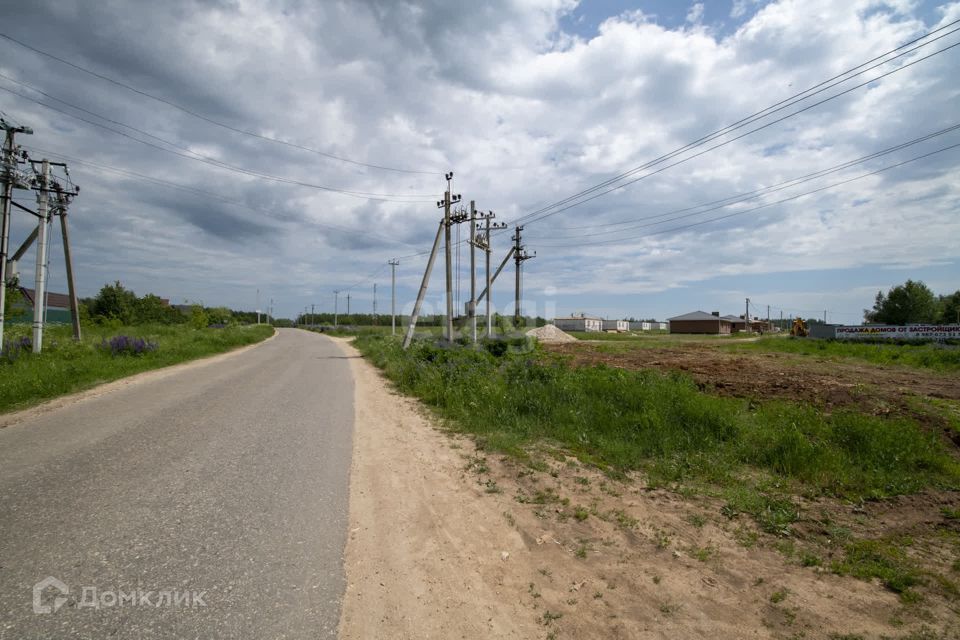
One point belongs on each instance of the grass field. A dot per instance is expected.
(769, 459)
(663, 424)
(66, 366)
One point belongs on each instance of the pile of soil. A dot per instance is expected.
(549, 334)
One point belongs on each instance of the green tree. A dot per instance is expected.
(913, 301)
(220, 315)
(198, 317)
(114, 303)
(950, 308)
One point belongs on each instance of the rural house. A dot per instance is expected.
(700, 322)
(616, 325)
(579, 323)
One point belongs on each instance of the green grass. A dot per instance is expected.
(661, 424)
(66, 366)
(885, 560)
(926, 356)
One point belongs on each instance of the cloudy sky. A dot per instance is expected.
(206, 137)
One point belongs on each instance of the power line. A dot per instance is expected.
(816, 89)
(763, 206)
(216, 196)
(750, 195)
(213, 121)
(192, 155)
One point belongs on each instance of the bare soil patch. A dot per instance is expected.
(824, 383)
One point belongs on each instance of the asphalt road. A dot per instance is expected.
(228, 480)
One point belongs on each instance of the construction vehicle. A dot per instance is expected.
(799, 328)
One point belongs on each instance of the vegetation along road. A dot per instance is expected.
(215, 493)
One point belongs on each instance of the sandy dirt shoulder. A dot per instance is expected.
(447, 541)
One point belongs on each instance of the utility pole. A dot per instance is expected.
(781, 319)
(258, 306)
(519, 257)
(63, 201)
(270, 312)
(312, 315)
(746, 318)
(423, 286)
(824, 316)
(336, 307)
(768, 317)
(348, 303)
(8, 160)
(473, 272)
(374, 303)
(40, 288)
(393, 295)
(448, 199)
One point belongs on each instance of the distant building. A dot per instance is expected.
(640, 326)
(57, 310)
(701, 322)
(616, 325)
(662, 326)
(579, 323)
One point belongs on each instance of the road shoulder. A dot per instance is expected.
(427, 556)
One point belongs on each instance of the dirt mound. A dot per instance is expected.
(549, 334)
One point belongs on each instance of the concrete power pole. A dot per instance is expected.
(40, 288)
(746, 318)
(473, 272)
(348, 303)
(519, 257)
(312, 314)
(8, 164)
(408, 338)
(336, 308)
(393, 295)
(768, 317)
(258, 306)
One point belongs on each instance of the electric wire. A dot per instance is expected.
(757, 208)
(779, 106)
(192, 155)
(749, 195)
(209, 194)
(527, 221)
(213, 121)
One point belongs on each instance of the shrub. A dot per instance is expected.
(125, 345)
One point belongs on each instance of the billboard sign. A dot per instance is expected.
(900, 332)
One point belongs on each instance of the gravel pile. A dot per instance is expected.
(550, 334)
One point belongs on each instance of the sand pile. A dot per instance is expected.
(550, 334)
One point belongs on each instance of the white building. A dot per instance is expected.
(579, 323)
(616, 325)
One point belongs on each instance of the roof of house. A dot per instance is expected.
(732, 318)
(579, 318)
(54, 300)
(697, 315)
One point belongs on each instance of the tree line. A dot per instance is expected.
(914, 302)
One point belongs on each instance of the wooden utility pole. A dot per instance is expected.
(63, 200)
(393, 295)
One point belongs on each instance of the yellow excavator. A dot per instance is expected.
(799, 328)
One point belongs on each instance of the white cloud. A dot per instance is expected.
(524, 114)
